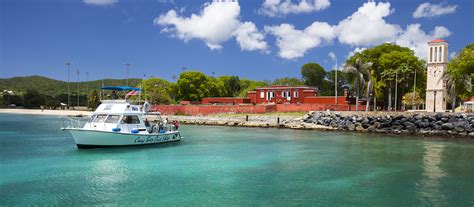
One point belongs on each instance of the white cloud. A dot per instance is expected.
(367, 27)
(249, 38)
(416, 39)
(100, 2)
(332, 56)
(356, 50)
(278, 8)
(214, 25)
(433, 10)
(293, 43)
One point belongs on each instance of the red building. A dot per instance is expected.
(281, 94)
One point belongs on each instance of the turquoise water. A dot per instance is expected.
(222, 166)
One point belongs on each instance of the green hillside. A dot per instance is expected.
(50, 86)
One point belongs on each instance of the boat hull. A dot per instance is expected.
(96, 139)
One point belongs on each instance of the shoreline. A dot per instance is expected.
(46, 112)
(311, 121)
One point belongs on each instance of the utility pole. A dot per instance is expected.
(414, 90)
(68, 87)
(87, 86)
(335, 82)
(128, 67)
(396, 89)
(78, 88)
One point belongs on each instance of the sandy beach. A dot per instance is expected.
(45, 112)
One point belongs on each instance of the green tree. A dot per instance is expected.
(412, 99)
(460, 75)
(392, 57)
(231, 85)
(313, 74)
(194, 85)
(249, 85)
(287, 82)
(359, 72)
(157, 91)
(94, 100)
(33, 99)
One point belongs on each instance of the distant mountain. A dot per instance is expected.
(54, 87)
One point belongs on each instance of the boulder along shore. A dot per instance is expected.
(417, 123)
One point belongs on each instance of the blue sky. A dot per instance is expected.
(260, 40)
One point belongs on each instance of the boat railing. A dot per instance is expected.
(70, 122)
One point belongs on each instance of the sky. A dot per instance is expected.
(253, 39)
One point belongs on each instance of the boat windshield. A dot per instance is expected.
(131, 119)
(100, 118)
(112, 119)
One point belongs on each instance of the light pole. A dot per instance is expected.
(335, 82)
(414, 90)
(396, 89)
(68, 87)
(78, 88)
(87, 85)
(128, 67)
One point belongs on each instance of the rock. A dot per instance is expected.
(351, 127)
(459, 129)
(423, 124)
(471, 134)
(360, 129)
(447, 126)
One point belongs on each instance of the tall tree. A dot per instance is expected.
(157, 90)
(194, 85)
(460, 75)
(231, 85)
(287, 82)
(359, 72)
(313, 74)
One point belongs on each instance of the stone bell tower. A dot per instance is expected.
(435, 86)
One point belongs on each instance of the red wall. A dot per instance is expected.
(209, 109)
(227, 100)
(249, 109)
(325, 100)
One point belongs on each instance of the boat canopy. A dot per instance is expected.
(120, 88)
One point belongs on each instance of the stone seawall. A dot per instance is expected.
(426, 124)
(439, 124)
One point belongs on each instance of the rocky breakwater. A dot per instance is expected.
(436, 124)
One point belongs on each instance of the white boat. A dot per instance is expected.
(121, 123)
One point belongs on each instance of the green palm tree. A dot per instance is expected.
(454, 78)
(359, 72)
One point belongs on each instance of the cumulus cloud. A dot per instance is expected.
(416, 39)
(100, 2)
(356, 50)
(279, 8)
(367, 26)
(215, 24)
(294, 43)
(433, 10)
(249, 38)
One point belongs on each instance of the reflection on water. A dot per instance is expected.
(107, 178)
(429, 188)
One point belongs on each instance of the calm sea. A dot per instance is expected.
(223, 166)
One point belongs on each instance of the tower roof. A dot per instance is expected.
(437, 41)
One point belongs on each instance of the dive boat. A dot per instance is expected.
(123, 123)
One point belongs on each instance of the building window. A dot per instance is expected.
(285, 94)
(431, 54)
(295, 94)
(435, 54)
(262, 94)
(440, 54)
